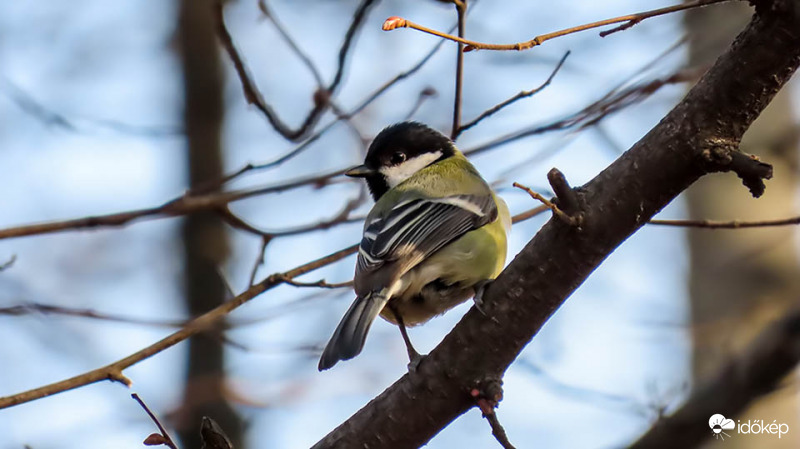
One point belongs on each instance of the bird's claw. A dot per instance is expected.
(480, 289)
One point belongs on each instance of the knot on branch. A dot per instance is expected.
(724, 156)
(565, 205)
(566, 198)
(487, 394)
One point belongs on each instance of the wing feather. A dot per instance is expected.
(415, 229)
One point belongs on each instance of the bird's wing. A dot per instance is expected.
(412, 230)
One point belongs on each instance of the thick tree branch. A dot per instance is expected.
(710, 121)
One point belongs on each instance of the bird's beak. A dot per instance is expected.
(360, 171)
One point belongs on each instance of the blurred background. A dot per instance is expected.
(114, 106)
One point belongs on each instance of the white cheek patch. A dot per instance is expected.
(396, 174)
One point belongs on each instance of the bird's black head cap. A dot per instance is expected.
(397, 144)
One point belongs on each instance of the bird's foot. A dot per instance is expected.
(415, 359)
(480, 289)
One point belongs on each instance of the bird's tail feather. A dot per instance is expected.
(348, 338)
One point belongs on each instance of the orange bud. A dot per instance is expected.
(393, 22)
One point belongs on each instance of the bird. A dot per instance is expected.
(435, 237)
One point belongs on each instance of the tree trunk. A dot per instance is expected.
(741, 280)
(204, 239)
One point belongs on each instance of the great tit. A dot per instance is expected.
(436, 235)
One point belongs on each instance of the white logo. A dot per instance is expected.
(719, 424)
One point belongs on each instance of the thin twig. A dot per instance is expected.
(204, 322)
(259, 260)
(461, 11)
(7, 264)
(30, 308)
(424, 94)
(733, 224)
(238, 223)
(321, 97)
(393, 23)
(515, 98)
(322, 283)
(498, 431)
(366, 102)
(487, 395)
(341, 217)
(613, 101)
(181, 205)
(165, 438)
(49, 117)
(570, 220)
(303, 56)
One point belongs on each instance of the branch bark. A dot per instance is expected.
(699, 136)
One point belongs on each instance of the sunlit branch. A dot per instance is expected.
(629, 20)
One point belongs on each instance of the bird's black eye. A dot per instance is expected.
(398, 158)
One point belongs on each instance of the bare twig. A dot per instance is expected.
(515, 98)
(181, 205)
(204, 322)
(426, 93)
(498, 431)
(366, 102)
(461, 11)
(342, 217)
(321, 96)
(303, 56)
(733, 224)
(48, 309)
(393, 23)
(570, 220)
(320, 284)
(49, 117)
(7, 264)
(155, 439)
(238, 223)
(487, 395)
(613, 101)
(260, 259)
